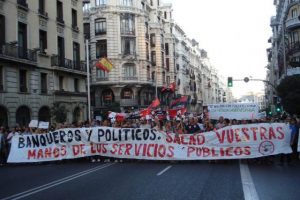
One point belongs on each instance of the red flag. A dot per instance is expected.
(145, 112)
(174, 112)
(154, 104)
(171, 88)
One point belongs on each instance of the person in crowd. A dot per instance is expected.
(220, 124)
(293, 142)
(192, 127)
(26, 131)
(2, 146)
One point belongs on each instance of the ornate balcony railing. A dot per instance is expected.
(67, 63)
(13, 51)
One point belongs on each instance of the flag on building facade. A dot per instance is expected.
(104, 64)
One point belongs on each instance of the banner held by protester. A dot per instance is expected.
(232, 142)
(239, 111)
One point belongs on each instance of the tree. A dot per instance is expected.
(59, 112)
(289, 92)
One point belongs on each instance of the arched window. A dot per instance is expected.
(3, 116)
(44, 114)
(77, 114)
(23, 116)
(127, 93)
(107, 96)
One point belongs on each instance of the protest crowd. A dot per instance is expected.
(188, 123)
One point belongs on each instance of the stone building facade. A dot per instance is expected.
(41, 60)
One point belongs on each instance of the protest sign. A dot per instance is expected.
(43, 125)
(33, 123)
(239, 111)
(232, 142)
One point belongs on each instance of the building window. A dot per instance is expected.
(164, 77)
(42, 7)
(151, 2)
(294, 13)
(86, 7)
(43, 41)
(59, 11)
(74, 18)
(1, 79)
(101, 49)
(2, 32)
(294, 38)
(147, 51)
(165, 15)
(76, 85)
(128, 46)
(157, 2)
(22, 40)
(153, 76)
(127, 93)
(61, 51)
(100, 2)
(167, 48)
(153, 57)
(129, 70)
(168, 80)
(86, 30)
(168, 64)
(127, 24)
(162, 59)
(100, 26)
(76, 55)
(61, 83)
(101, 73)
(152, 40)
(44, 83)
(148, 73)
(126, 2)
(23, 80)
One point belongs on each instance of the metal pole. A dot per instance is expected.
(156, 82)
(88, 78)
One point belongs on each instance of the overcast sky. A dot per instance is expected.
(235, 34)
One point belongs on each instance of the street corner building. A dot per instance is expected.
(41, 60)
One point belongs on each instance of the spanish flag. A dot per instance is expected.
(104, 64)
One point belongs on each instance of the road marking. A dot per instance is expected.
(247, 182)
(164, 170)
(55, 183)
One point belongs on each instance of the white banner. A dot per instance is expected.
(232, 142)
(299, 141)
(239, 111)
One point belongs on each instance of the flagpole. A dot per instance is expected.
(156, 82)
(88, 78)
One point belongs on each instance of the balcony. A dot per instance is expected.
(130, 78)
(22, 4)
(128, 102)
(294, 48)
(18, 54)
(67, 64)
(43, 14)
(68, 93)
(292, 23)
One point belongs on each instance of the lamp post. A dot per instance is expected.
(88, 78)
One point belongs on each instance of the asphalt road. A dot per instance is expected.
(150, 180)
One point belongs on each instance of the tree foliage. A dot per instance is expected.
(289, 92)
(59, 112)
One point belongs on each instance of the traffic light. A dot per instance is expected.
(229, 82)
(278, 108)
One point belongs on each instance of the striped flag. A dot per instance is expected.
(104, 64)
